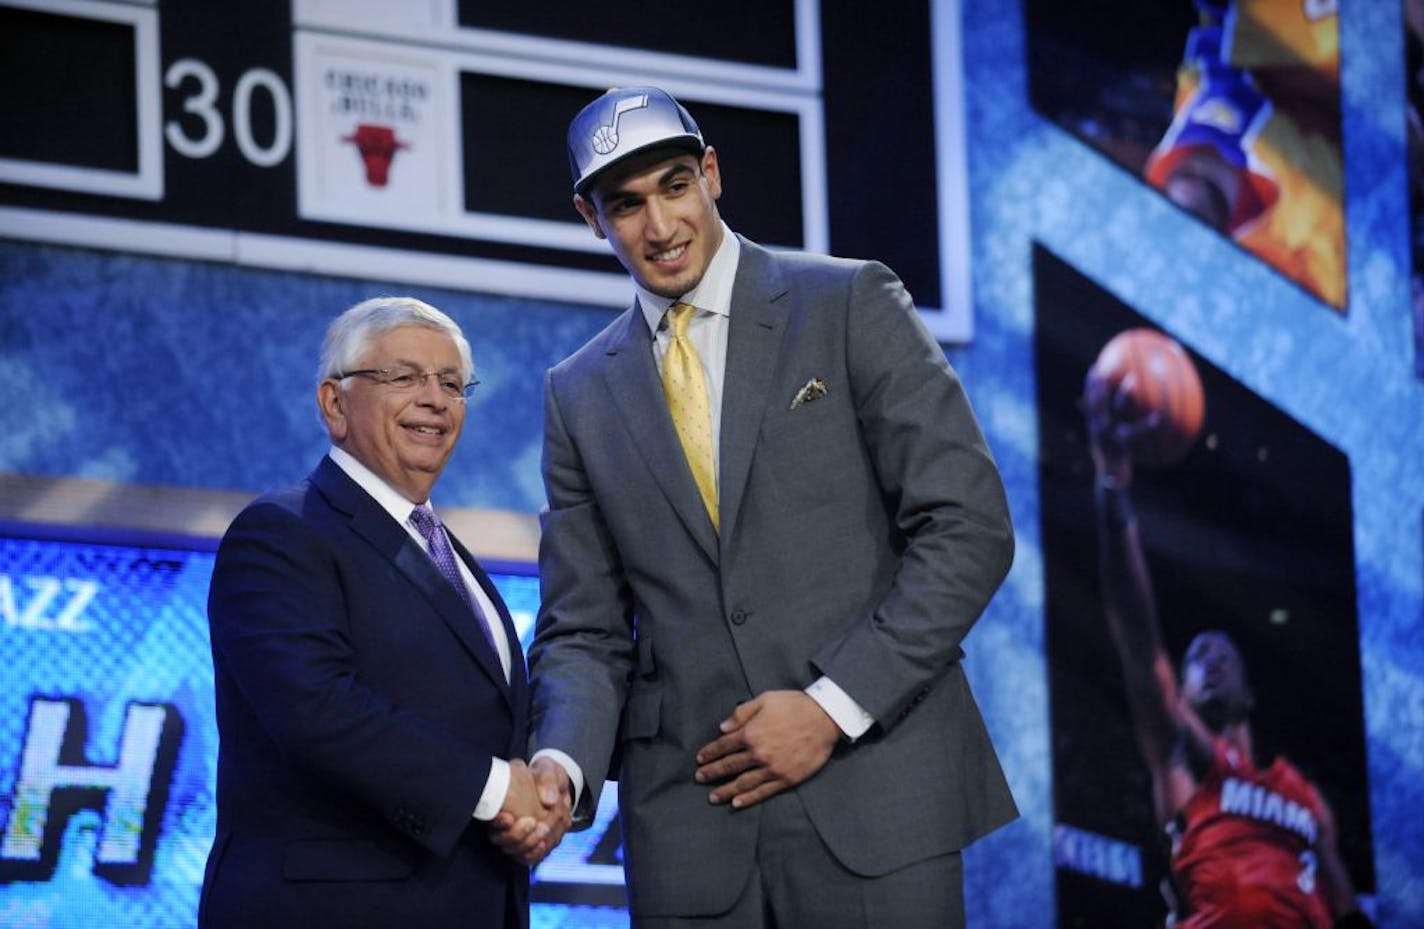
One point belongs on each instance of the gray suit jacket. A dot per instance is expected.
(862, 535)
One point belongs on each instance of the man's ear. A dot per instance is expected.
(332, 402)
(712, 171)
(589, 213)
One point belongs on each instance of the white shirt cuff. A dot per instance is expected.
(570, 767)
(843, 711)
(496, 787)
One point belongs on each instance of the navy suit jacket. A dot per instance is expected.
(359, 707)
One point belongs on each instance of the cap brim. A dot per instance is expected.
(691, 144)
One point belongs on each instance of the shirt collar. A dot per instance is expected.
(390, 499)
(713, 294)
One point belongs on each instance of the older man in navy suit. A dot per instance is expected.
(371, 694)
(772, 521)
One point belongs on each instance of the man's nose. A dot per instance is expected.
(430, 391)
(659, 220)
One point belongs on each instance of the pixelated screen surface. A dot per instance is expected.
(108, 744)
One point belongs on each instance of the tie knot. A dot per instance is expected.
(423, 519)
(680, 314)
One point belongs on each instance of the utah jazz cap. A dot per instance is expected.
(623, 122)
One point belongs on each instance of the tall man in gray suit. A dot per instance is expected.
(772, 520)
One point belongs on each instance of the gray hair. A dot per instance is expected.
(350, 335)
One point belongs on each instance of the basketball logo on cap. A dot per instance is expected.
(605, 138)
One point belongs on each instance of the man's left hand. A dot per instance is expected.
(772, 742)
(530, 838)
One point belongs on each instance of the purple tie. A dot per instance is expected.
(424, 519)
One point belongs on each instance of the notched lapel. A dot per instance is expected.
(517, 680)
(632, 378)
(760, 307)
(415, 564)
(389, 538)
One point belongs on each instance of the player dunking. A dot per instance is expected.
(1251, 847)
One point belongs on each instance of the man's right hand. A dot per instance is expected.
(537, 811)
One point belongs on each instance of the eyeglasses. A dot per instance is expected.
(407, 379)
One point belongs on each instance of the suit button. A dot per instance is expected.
(739, 617)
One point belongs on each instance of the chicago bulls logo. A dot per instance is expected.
(378, 146)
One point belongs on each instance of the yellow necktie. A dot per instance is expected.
(685, 387)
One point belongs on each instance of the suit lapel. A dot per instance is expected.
(375, 525)
(754, 337)
(517, 677)
(632, 379)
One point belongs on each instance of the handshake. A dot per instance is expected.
(537, 811)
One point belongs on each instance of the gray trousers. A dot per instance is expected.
(798, 884)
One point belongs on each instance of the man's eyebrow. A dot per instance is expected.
(671, 174)
(667, 177)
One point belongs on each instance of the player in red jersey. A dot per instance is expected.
(1252, 847)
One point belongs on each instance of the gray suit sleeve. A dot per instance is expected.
(582, 653)
(936, 472)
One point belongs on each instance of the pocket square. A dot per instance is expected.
(814, 389)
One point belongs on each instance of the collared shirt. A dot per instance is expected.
(399, 508)
(707, 330)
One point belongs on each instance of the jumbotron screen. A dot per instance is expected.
(108, 744)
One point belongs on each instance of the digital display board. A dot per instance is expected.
(51, 139)
(424, 142)
(108, 744)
